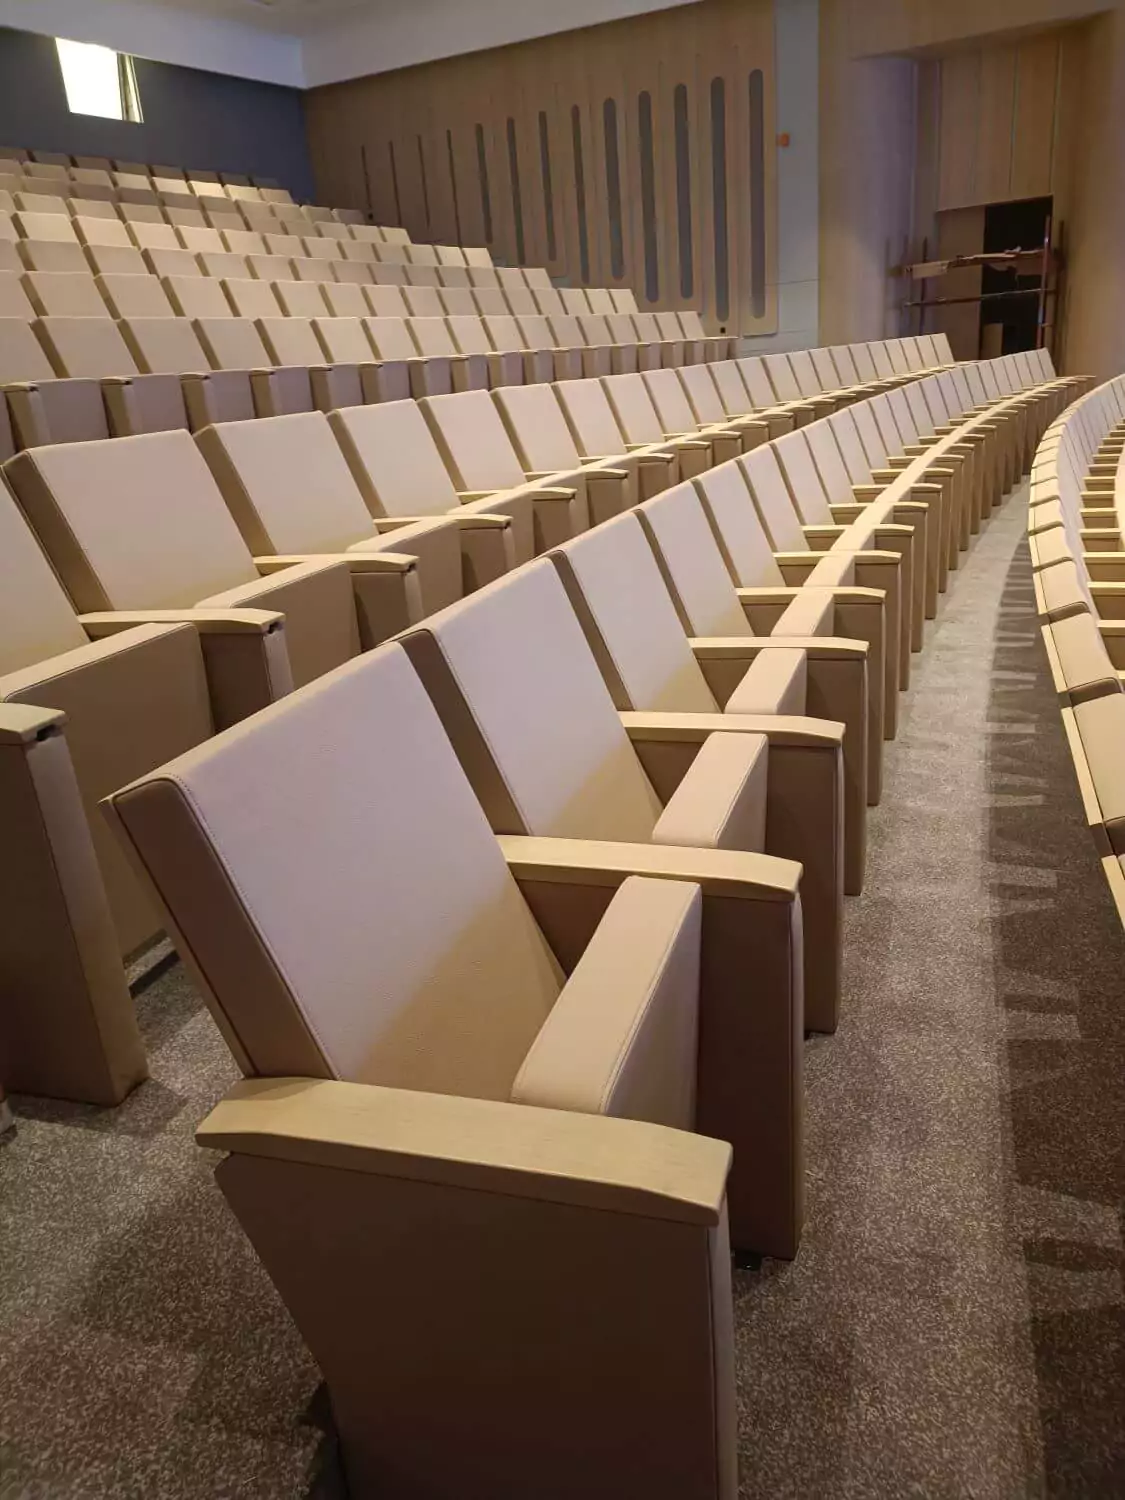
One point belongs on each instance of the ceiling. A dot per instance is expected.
(289, 17)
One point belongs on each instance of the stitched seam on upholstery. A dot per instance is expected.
(127, 650)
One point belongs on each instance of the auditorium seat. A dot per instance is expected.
(514, 683)
(90, 347)
(136, 525)
(400, 471)
(291, 493)
(503, 1174)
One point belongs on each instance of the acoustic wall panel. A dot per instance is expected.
(637, 154)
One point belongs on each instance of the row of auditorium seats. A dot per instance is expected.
(524, 958)
(235, 369)
(1075, 539)
(203, 578)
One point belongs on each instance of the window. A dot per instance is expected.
(99, 81)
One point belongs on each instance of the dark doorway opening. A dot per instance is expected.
(1009, 323)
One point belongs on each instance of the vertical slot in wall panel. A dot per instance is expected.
(546, 179)
(516, 191)
(684, 216)
(721, 239)
(757, 194)
(581, 202)
(613, 190)
(648, 197)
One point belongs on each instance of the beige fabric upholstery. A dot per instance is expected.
(85, 347)
(233, 343)
(164, 345)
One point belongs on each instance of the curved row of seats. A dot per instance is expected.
(204, 578)
(515, 924)
(1075, 539)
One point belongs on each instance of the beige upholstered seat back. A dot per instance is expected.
(86, 347)
(529, 715)
(131, 296)
(390, 338)
(881, 359)
(731, 387)
(633, 408)
(771, 499)
(828, 376)
(343, 341)
(757, 382)
(735, 523)
(699, 386)
(861, 358)
(165, 346)
(472, 441)
(883, 417)
(233, 344)
(37, 620)
(593, 425)
(874, 448)
(692, 564)
(920, 413)
(368, 929)
(845, 364)
(850, 445)
(132, 523)
(290, 341)
(287, 484)
(821, 439)
(21, 354)
(613, 581)
(393, 459)
(468, 334)
(804, 372)
(537, 428)
(804, 482)
(432, 337)
(903, 413)
(781, 377)
(670, 400)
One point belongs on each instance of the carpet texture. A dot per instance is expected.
(953, 1325)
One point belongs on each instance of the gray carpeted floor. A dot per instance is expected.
(953, 1324)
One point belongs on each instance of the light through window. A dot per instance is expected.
(99, 81)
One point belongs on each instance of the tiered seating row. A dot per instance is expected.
(1075, 538)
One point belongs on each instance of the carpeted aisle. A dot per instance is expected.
(953, 1324)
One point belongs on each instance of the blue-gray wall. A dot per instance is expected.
(191, 118)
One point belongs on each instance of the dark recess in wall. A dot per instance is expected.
(191, 118)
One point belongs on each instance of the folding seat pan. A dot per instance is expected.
(401, 473)
(505, 367)
(291, 493)
(85, 347)
(151, 402)
(479, 1073)
(675, 691)
(115, 260)
(82, 713)
(250, 299)
(560, 764)
(434, 340)
(638, 419)
(47, 411)
(138, 524)
(22, 355)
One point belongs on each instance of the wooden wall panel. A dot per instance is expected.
(997, 122)
(453, 108)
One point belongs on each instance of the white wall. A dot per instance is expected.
(797, 48)
(416, 31)
(164, 33)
